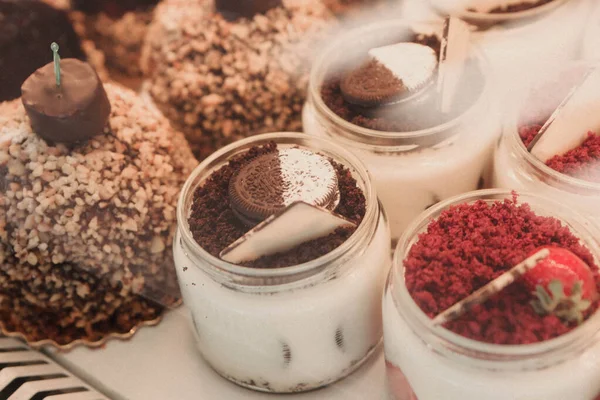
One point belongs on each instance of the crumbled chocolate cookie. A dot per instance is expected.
(215, 225)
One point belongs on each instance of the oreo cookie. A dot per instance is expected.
(393, 73)
(371, 85)
(273, 181)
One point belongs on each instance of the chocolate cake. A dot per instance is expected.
(86, 225)
(220, 76)
(117, 28)
(26, 30)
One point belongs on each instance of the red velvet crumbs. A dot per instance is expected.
(472, 244)
(528, 132)
(582, 162)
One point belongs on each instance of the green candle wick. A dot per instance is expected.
(54, 47)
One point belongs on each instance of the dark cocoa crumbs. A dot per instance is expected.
(472, 244)
(414, 116)
(214, 225)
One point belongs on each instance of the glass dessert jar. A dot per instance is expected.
(591, 40)
(518, 44)
(430, 362)
(414, 168)
(516, 168)
(292, 328)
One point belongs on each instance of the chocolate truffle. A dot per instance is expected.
(71, 112)
(220, 80)
(26, 30)
(118, 29)
(86, 230)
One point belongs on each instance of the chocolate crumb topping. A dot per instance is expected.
(214, 224)
(422, 113)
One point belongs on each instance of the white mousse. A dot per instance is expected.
(412, 63)
(569, 125)
(296, 224)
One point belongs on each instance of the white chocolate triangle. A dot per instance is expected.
(412, 63)
(568, 126)
(454, 53)
(484, 6)
(298, 223)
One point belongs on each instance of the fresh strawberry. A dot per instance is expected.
(563, 285)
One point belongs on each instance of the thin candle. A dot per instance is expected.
(54, 47)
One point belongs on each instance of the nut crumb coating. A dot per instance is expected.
(85, 230)
(219, 81)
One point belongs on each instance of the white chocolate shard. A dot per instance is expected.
(484, 6)
(453, 56)
(298, 223)
(493, 287)
(570, 123)
(413, 63)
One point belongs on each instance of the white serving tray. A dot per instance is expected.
(162, 363)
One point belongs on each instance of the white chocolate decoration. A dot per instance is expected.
(413, 63)
(484, 6)
(492, 288)
(298, 223)
(569, 125)
(453, 56)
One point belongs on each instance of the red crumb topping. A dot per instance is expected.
(582, 162)
(471, 244)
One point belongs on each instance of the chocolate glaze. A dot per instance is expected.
(26, 29)
(234, 9)
(73, 112)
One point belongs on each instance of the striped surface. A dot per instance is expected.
(26, 374)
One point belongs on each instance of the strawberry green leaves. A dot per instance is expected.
(553, 301)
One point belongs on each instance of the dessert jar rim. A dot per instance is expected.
(444, 339)
(364, 231)
(370, 137)
(511, 131)
(502, 17)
